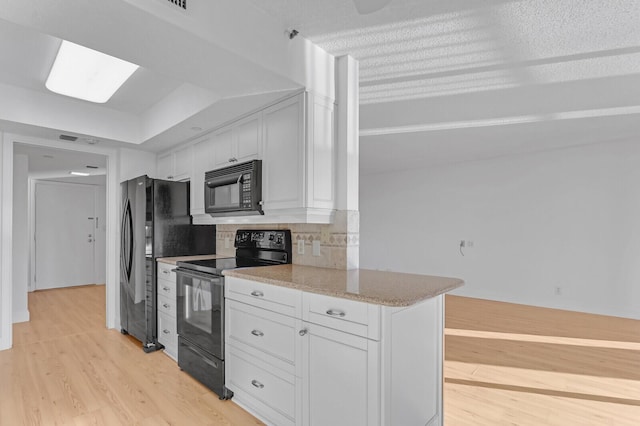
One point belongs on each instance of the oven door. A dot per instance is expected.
(201, 310)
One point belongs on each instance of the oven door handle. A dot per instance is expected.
(214, 279)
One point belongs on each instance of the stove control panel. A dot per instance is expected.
(280, 239)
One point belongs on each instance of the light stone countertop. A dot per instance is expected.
(364, 285)
(173, 260)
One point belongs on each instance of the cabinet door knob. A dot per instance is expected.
(166, 305)
(303, 332)
(165, 331)
(257, 333)
(170, 177)
(257, 293)
(166, 288)
(335, 313)
(164, 271)
(257, 384)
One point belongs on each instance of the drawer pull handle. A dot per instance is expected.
(166, 288)
(335, 313)
(257, 293)
(164, 271)
(166, 305)
(303, 332)
(165, 331)
(257, 333)
(257, 384)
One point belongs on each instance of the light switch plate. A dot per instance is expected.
(227, 242)
(316, 247)
(300, 246)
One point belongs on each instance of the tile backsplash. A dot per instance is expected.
(339, 241)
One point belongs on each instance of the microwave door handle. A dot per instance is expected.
(225, 180)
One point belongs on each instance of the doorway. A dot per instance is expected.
(68, 242)
(64, 193)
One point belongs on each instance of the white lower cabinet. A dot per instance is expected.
(340, 376)
(166, 307)
(298, 358)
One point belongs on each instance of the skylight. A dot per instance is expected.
(87, 74)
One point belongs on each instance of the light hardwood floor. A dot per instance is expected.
(505, 364)
(66, 368)
(508, 364)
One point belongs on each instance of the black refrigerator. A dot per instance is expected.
(155, 223)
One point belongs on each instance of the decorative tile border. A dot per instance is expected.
(339, 241)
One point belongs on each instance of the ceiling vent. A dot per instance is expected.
(68, 138)
(179, 3)
(92, 167)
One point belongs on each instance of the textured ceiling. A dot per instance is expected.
(417, 48)
(445, 81)
(441, 80)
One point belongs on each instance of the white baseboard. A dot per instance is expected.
(21, 316)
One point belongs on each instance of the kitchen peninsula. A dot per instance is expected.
(314, 346)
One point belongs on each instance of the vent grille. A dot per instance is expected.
(180, 3)
(68, 138)
(236, 168)
(92, 167)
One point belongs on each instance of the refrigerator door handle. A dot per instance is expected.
(123, 240)
(129, 266)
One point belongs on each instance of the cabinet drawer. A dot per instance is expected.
(359, 318)
(165, 272)
(167, 334)
(275, 389)
(263, 333)
(283, 300)
(166, 306)
(167, 288)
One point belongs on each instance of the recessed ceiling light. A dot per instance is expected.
(91, 141)
(80, 173)
(87, 74)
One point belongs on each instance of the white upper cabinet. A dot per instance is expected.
(299, 159)
(283, 162)
(294, 138)
(175, 165)
(183, 163)
(239, 142)
(203, 161)
(165, 166)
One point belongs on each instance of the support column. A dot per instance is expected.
(347, 160)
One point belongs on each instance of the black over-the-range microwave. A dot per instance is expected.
(234, 190)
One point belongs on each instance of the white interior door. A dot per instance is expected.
(64, 235)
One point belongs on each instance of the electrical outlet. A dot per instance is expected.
(300, 246)
(558, 291)
(227, 242)
(316, 247)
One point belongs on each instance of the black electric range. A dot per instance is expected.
(200, 302)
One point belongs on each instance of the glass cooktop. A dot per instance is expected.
(216, 266)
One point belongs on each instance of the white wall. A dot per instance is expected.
(566, 218)
(20, 237)
(6, 267)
